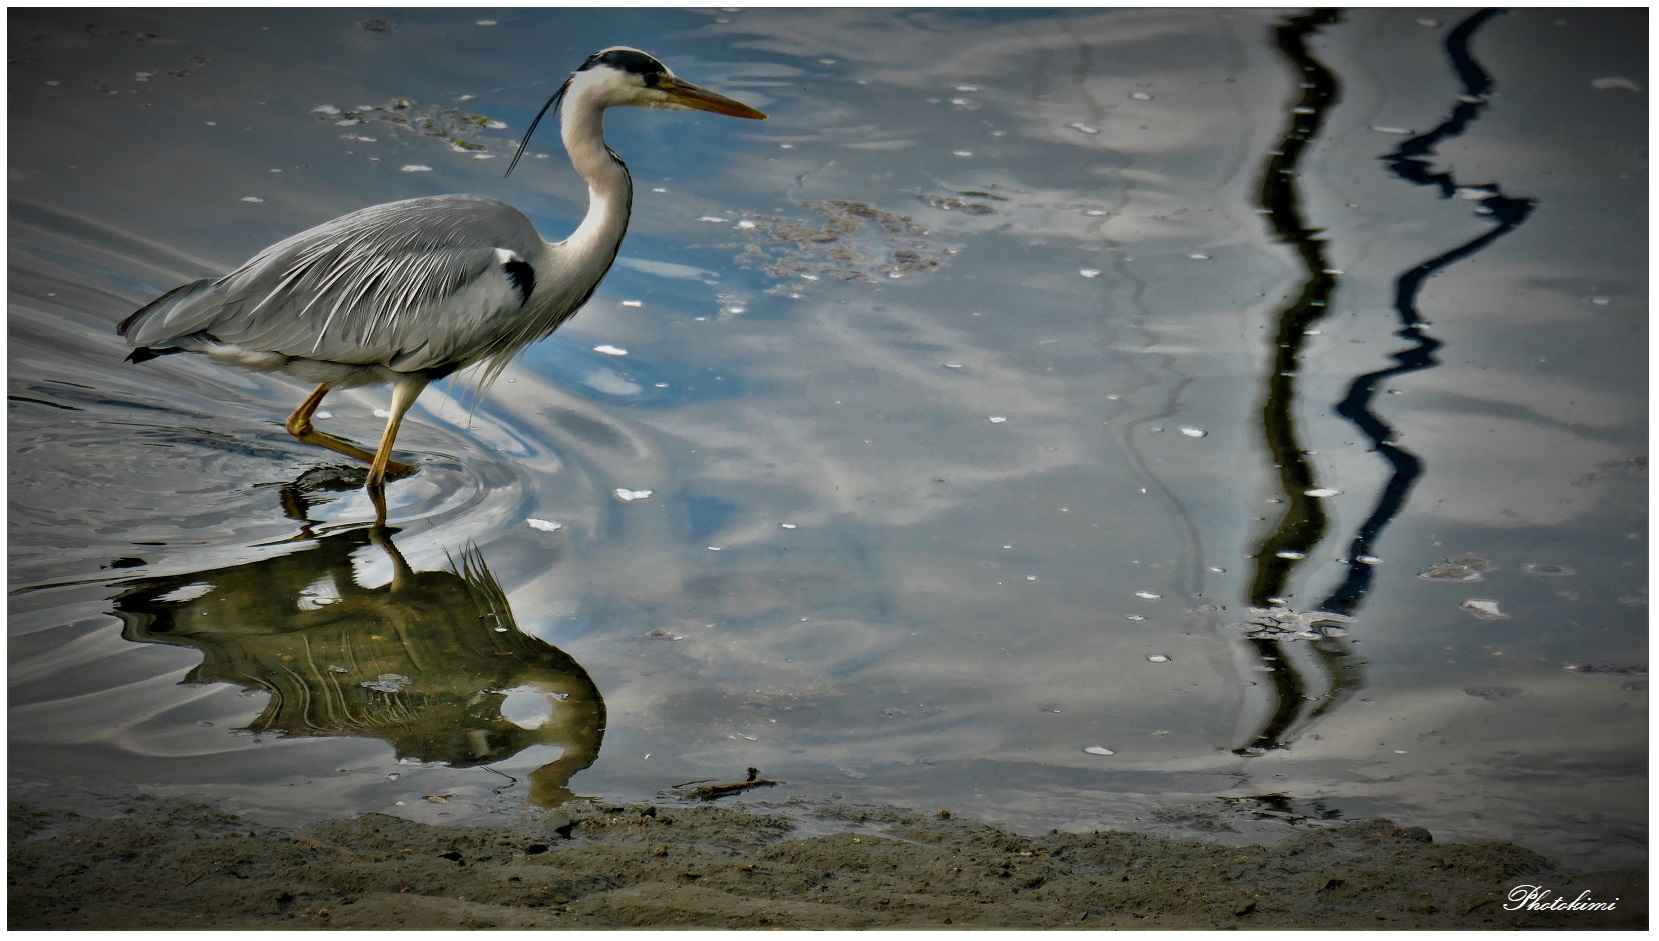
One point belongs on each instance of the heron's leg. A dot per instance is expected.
(299, 425)
(404, 391)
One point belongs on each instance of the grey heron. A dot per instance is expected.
(408, 292)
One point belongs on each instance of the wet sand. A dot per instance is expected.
(173, 864)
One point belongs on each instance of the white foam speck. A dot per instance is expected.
(1099, 750)
(416, 168)
(610, 350)
(546, 526)
(629, 496)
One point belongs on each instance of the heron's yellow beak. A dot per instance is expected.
(687, 95)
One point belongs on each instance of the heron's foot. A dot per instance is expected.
(395, 470)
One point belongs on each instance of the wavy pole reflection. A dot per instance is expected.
(1409, 163)
(1310, 679)
(425, 662)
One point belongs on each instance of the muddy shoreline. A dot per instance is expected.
(179, 864)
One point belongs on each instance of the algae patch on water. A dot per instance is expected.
(853, 241)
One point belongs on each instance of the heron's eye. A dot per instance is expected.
(652, 78)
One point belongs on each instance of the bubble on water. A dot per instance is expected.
(633, 303)
(1084, 128)
(1157, 658)
(962, 153)
(1615, 83)
(1099, 750)
(998, 419)
(953, 365)
(1546, 569)
(629, 496)
(712, 219)
(416, 168)
(1134, 617)
(1391, 130)
(610, 350)
(546, 526)
(1140, 96)
(1217, 569)
(320, 109)
(1368, 560)
(1290, 554)
(1089, 272)
(1483, 608)
(1601, 301)
(786, 525)
(1148, 595)
(1199, 256)
(1192, 432)
(1322, 492)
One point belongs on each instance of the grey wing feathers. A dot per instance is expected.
(411, 284)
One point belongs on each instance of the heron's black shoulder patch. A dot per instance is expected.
(523, 277)
(625, 60)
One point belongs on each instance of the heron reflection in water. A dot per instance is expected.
(409, 292)
(425, 662)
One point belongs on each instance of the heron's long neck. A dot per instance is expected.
(610, 191)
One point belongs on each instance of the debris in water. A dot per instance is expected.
(1282, 623)
(1611, 669)
(1483, 608)
(386, 683)
(628, 496)
(855, 242)
(546, 526)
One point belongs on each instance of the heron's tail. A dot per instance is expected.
(160, 320)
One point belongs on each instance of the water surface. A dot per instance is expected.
(1073, 419)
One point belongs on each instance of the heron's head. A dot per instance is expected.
(623, 76)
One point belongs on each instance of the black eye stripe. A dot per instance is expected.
(625, 60)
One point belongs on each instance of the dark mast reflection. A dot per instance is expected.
(424, 662)
(1308, 685)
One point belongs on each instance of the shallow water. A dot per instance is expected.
(948, 439)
